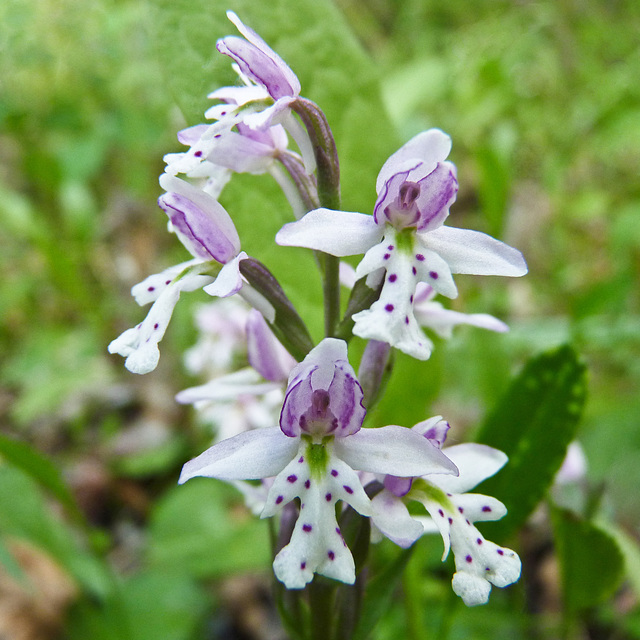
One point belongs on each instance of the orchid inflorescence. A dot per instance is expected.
(321, 463)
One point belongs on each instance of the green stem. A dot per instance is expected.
(331, 289)
(321, 597)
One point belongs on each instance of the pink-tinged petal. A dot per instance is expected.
(229, 280)
(266, 355)
(191, 135)
(398, 486)
(251, 455)
(228, 387)
(242, 154)
(237, 96)
(340, 233)
(392, 450)
(476, 463)
(474, 252)
(430, 147)
(205, 227)
(391, 516)
(258, 61)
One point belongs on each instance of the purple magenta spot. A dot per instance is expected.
(390, 247)
(460, 509)
(151, 289)
(441, 512)
(433, 274)
(156, 325)
(307, 484)
(168, 282)
(419, 257)
(306, 528)
(414, 271)
(334, 473)
(406, 319)
(500, 552)
(411, 299)
(469, 559)
(279, 499)
(388, 307)
(486, 509)
(218, 135)
(468, 523)
(303, 565)
(198, 154)
(347, 488)
(386, 256)
(479, 541)
(338, 531)
(301, 459)
(331, 555)
(292, 478)
(328, 497)
(393, 277)
(450, 520)
(487, 568)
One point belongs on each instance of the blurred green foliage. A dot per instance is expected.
(542, 102)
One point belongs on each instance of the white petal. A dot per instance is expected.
(392, 450)
(434, 270)
(251, 455)
(392, 518)
(340, 233)
(435, 317)
(476, 462)
(474, 252)
(150, 288)
(472, 589)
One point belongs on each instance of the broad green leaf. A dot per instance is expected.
(196, 527)
(378, 594)
(25, 514)
(591, 562)
(153, 604)
(40, 468)
(630, 550)
(533, 424)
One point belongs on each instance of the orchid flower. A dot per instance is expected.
(405, 241)
(207, 231)
(479, 562)
(250, 397)
(313, 456)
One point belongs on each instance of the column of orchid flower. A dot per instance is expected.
(321, 469)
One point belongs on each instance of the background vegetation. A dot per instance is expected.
(542, 101)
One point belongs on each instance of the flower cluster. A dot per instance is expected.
(319, 463)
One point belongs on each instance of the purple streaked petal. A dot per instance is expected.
(340, 233)
(200, 219)
(251, 455)
(258, 61)
(266, 355)
(430, 147)
(392, 450)
(474, 252)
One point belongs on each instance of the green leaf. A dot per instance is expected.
(591, 562)
(533, 424)
(379, 593)
(630, 550)
(195, 527)
(41, 469)
(153, 604)
(25, 514)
